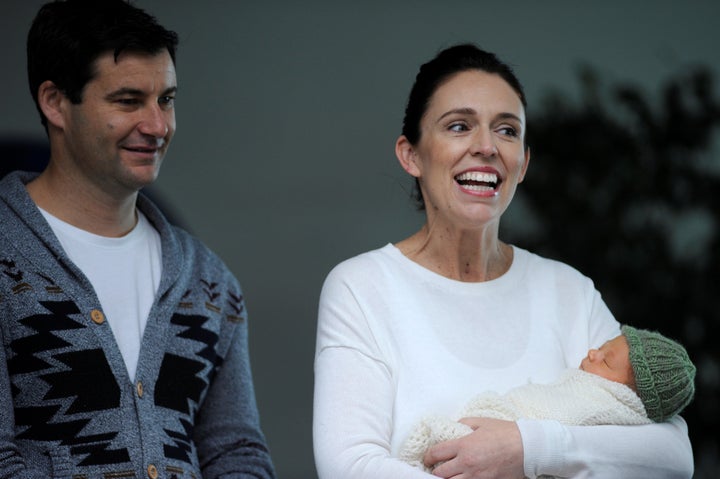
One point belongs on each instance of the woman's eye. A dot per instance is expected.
(508, 131)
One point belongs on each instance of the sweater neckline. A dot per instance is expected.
(511, 277)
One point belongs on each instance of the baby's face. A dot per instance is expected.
(611, 361)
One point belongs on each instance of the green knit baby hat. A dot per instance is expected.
(664, 374)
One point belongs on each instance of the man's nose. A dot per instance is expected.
(154, 122)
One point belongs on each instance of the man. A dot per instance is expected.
(124, 339)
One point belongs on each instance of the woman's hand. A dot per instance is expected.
(493, 450)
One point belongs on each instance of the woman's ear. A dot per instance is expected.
(52, 101)
(406, 155)
(525, 165)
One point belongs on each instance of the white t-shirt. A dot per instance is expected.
(125, 273)
(396, 342)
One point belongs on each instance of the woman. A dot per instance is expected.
(406, 330)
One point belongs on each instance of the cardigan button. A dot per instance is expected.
(97, 316)
(139, 389)
(152, 471)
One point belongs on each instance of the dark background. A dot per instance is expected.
(283, 160)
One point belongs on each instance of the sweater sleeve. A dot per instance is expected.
(12, 463)
(354, 395)
(227, 432)
(660, 450)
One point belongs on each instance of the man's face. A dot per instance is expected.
(116, 138)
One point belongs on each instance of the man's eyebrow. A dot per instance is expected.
(170, 91)
(127, 91)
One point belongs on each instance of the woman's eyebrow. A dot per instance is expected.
(460, 111)
(471, 111)
(509, 116)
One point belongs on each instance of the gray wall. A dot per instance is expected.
(287, 115)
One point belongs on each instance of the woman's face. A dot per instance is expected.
(471, 155)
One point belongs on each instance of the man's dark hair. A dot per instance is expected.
(67, 36)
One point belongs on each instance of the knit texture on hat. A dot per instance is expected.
(664, 374)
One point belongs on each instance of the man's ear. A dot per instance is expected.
(406, 155)
(52, 103)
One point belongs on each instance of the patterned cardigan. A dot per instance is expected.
(68, 408)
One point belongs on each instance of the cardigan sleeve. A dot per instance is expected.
(227, 432)
(12, 464)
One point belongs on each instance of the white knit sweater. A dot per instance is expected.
(396, 341)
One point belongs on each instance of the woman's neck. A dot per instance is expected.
(469, 256)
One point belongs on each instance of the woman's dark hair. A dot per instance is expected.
(434, 73)
(67, 37)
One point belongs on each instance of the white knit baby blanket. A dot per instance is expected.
(576, 398)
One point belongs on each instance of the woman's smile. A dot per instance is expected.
(479, 182)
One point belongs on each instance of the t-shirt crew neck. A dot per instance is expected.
(125, 274)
